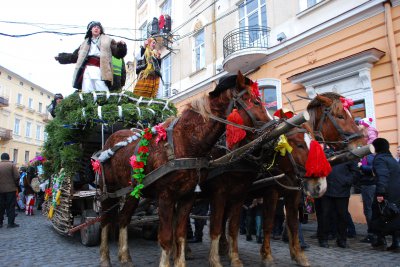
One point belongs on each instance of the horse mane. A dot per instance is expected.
(200, 105)
(315, 104)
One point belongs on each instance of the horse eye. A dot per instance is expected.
(257, 103)
(300, 146)
(341, 117)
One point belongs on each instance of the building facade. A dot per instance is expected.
(23, 116)
(292, 48)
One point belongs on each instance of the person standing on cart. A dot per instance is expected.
(93, 71)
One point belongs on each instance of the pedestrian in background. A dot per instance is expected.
(9, 177)
(200, 208)
(387, 171)
(336, 201)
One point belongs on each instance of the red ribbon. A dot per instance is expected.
(96, 165)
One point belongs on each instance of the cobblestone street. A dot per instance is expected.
(35, 243)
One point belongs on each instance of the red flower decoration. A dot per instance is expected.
(161, 133)
(96, 165)
(138, 165)
(255, 92)
(143, 149)
(148, 135)
(346, 102)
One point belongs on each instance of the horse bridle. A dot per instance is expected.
(346, 136)
(237, 100)
(299, 171)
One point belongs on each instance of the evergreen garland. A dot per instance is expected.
(78, 114)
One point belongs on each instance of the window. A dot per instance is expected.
(40, 107)
(19, 99)
(28, 129)
(143, 30)
(358, 110)
(30, 103)
(305, 4)
(199, 50)
(270, 90)
(164, 89)
(9, 77)
(32, 89)
(21, 83)
(166, 8)
(15, 156)
(38, 131)
(252, 13)
(26, 156)
(17, 123)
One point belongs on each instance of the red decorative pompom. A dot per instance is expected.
(234, 134)
(317, 165)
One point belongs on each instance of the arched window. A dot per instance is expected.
(270, 90)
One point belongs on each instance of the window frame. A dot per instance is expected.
(199, 65)
(20, 99)
(271, 82)
(17, 126)
(28, 129)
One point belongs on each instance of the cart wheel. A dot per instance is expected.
(90, 236)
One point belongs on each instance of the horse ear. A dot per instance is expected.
(326, 101)
(240, 80)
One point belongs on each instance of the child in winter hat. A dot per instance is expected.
(370, 132)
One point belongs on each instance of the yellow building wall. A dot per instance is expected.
(11, 84)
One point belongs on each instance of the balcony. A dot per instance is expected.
(5, 134)
(45, 117)
(245, 48)
(3, 102)
(20, 106)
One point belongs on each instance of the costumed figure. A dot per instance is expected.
(93, 71)
(28, 190)
(52, 107)
(21, 195)
(148, 70)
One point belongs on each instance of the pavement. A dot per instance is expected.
(35, 243)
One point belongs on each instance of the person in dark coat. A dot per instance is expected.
(387, 171)
(9, 177)
(336, 201)
(367, 182)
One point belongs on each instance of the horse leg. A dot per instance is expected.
(216, 224)
(292, 204)
(223, 241)
(105, 229)
(270, 200)
(183, 210)
(165, 213)
(234, 224)
(124, 219)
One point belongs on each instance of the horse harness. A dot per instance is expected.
(346, 136)
(173, 163)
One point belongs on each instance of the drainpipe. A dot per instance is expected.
(214, 37)
(393, 59)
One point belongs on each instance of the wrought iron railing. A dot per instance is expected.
(244, 38)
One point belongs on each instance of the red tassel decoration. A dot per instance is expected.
(317, 165)
(234, 134)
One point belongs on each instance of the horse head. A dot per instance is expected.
(332, 122)
(294, 162)
(243, 106)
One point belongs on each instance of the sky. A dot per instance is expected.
(32, 57)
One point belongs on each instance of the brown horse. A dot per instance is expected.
(333, 124)
(193, 135)
(229, 191)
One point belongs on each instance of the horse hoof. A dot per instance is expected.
(105, 264)
(303, 261)
(127, 264)
(236, 263)
(268, 262)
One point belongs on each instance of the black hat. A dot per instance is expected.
(381, 145)
(225, 83)
(90, 26)
(58, 96)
